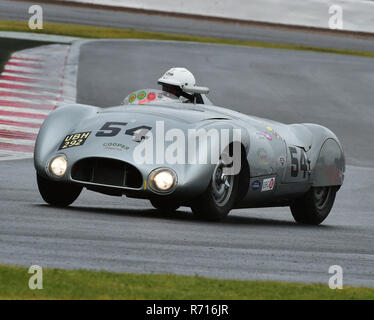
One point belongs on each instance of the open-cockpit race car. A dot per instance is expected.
(175, 152)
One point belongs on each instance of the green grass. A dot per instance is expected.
(114, 33)
(82, 284)
(7, 46)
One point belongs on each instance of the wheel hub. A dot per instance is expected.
(322, 195)
(222, 185)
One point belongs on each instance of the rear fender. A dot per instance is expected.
(330, 166)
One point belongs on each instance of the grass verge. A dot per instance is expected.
(115, 33)
(8, 46)
(82, 284)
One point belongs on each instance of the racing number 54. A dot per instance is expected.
(111, 129)
(109, 126)
(295, 162)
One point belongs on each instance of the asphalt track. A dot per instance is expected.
(127, 235)
(18, 10)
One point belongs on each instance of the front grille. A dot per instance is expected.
(107, 171)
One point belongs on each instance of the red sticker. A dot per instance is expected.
(271, 184)
(151, 96)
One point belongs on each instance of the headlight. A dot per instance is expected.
(162, 180)
(58, 166)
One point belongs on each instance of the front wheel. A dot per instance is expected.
(218, 199)
(59, 194)
(314, 206)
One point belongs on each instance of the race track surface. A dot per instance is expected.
(127, 235)
(18, 10)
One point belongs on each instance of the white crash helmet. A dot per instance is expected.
(179, 77)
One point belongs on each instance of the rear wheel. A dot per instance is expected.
(218, 199)
(314, 206)
(165, 205)
(59, 194)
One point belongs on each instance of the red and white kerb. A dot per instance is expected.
(31, 85)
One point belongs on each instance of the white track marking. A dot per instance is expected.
(16, 128)
(25, 69)
(50, 78)
(49, 95)
(50, 75)
(26, 110)
(51, 102)
(22, 119)
(14, 155)
(34, 64)
(23, 142)
(38, 86)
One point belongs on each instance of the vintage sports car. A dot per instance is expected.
(114, 151)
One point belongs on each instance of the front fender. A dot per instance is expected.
(57, 125)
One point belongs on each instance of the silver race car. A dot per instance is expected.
(178, 151)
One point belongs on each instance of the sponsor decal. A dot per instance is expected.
(256, 185)
(132, 98)
(263, 156)
(115, 146)
(282, 161)
(74, 140)
(276, 134)
(268, 184)
(141, 95)
(268, 136)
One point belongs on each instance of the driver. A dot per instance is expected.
(175, 79)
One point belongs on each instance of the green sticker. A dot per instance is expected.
(141, 95)
(132, 97)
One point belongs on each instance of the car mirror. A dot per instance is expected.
(196, 89)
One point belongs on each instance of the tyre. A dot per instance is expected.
(314, 206)
(218, 199)
(164, 205)
(57, 193)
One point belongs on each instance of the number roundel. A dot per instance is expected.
(151, 96)
(142, 95)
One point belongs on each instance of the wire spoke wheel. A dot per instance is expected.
(315, 205)
(219, 197)
(321, 195)
(222, 185)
